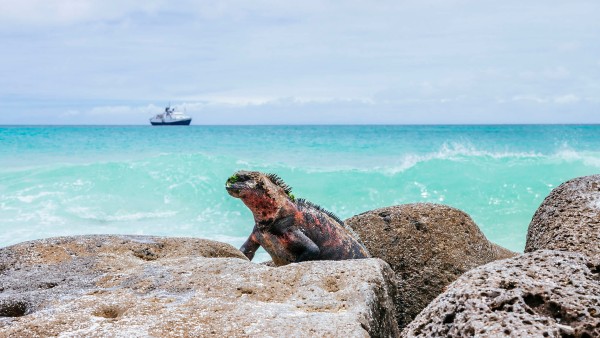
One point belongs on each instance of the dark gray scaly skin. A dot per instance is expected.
(290, 230)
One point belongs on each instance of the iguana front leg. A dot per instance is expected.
(251, 245)
(300, 246)
(294, 244)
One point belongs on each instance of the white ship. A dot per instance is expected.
(171, 118)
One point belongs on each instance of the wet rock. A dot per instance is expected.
(569, 219)
(139, 286)
(539, 294)
(427, 245)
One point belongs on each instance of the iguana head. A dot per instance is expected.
(263, 193)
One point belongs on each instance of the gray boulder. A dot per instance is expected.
(569, 219)
(539, 294)
(427, 245)
(139, 286)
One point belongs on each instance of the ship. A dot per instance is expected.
(171, 118)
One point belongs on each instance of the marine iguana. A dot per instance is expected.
(290, 229)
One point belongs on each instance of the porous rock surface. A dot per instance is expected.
(427, 245)
(139, 286)
(540, 294)
(569, 219)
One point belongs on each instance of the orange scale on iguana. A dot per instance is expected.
(290, 230)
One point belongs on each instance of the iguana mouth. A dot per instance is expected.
(232, 189)
(234, 185)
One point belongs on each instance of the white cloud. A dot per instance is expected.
(565, 99)
(233, 101)
(115, 111)
(558, 99)
(555, 73)
(107, 114)
(69, 114)
(44, 12)
(530, 98)
(595, 100)
(570, 46)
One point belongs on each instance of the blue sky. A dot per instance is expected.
(287, 62)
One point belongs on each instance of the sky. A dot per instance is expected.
(300, 62)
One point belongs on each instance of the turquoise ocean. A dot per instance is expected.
(169, 181)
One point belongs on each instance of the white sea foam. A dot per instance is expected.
(94, 214)
(44, 213)
(449, 151)
(591, 159)
(138, 216)
(454, 152)
(34, 197)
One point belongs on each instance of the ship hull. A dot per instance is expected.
(172, 123)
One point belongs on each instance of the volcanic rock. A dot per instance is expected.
(569, 219)
(140, 286)
(427, 245)
(540, 294)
